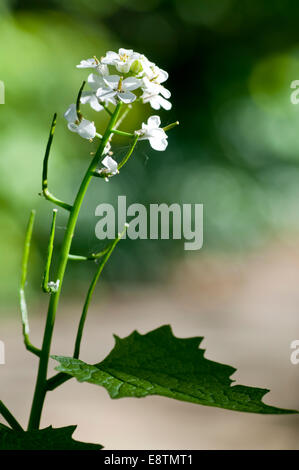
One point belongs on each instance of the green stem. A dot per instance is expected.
(125, 134)
(89, 296)
(9, 417)
(79, 114)
(170, 126)
(79, 258)
(23, 304)
(45, 283)
(40, 388)
(61, 377)
(49, 196)
(106, 108)
(127, 156)
(123, 116)
(92, 257)
(57, 380)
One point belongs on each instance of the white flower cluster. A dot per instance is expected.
(114, 79)
(141, 74)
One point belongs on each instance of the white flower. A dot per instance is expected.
(145, 68)
(155, 74)
(88, 63)
(152, 94)
(152, 88)
(111, 167)
(156, 101)
(54, 286)
(107, 148)
(94, 63)
(141, 66)
(121, 60)
(152, 131)
(102, 69)
(91, 98)
(110, 164)
(116, 87)
(95, 82)
(84, 128)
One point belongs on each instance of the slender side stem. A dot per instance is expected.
(92, 257)
(123, 116)
(170, 126)
(106, 108)
(78, 102)
(127, 156)
(9, 417)
(89, 296)
(40, 388)
(45, 189)
(23, 305)
(125, 134)
(57, 380)
(118, 122)
(79, 258)
(61, 377)
(100, 254)
(45, 283)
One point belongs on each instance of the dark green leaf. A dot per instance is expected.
(44, 439)
(158, 363)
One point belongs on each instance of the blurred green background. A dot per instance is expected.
(231, 64)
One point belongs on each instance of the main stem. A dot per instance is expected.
(40, 387)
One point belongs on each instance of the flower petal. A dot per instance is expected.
(71, 113)
(112, 81)
(90, 97)
(107, 148)
(95, 81)
(86, 129)
(94, 103)
(103, 69)
(158, 144)
(164, 103)
(162, 75)
(123, 67)
(110, 164)
(128, 52)
(153, 100)
(164, 92)
(156, 101)
(126, 96)
(105, 94)
(110, 57)
(85, 97)
(153, 122)
(87, 63)
(131, 83)
(72, 126)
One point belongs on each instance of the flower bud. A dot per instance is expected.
(136, 67)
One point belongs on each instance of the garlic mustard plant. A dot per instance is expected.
(156, 363)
